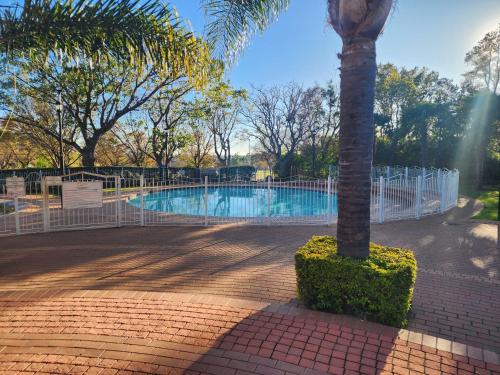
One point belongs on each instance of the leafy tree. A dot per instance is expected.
(168, 110)
(395, 92)
(484, 60)
(407, 101)
(6, 152)
(95, 98)
(480, 114)
(480, 109)
(143, 36)
(418, 120)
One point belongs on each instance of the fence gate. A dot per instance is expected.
(80, 201)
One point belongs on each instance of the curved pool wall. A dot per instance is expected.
(240, 202)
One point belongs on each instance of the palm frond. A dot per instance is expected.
(140, 31)
(231, 23)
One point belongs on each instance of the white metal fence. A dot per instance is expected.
(148, 202)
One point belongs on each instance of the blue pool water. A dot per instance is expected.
(231, 201)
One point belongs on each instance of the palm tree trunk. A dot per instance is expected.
(357, 88)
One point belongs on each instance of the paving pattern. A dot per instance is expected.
(102, 332)
(246, 275)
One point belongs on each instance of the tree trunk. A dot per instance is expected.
(478, 168)
(88, 158)
(282, 166)
(357, 95)
(393, 150)
(158, 160)
(424, 145)
(313, 166)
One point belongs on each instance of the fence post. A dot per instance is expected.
(388, 171)
(269, 200)
(118, 197)
(418, 205)
(206, 200)
(45, 205)
(142, 199)
(16, 215)
(443, 188)
(329, 200)
(381, 200)
(439, 180)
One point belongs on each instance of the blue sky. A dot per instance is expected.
(300, 46)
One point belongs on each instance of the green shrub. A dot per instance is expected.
(378, 288)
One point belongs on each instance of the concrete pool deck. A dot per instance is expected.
(222, 300)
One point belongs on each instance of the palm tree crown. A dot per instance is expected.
(145, 32)
(233, 22)
(358, 19)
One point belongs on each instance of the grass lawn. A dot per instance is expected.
(490, 200)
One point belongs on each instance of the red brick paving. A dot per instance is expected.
(457, 309)
(457, 298)
(255, 263)
(102, 332)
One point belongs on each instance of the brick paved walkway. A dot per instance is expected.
(102, 332)
(457, 297)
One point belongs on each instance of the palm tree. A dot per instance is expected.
(358, 23)
(141, 32)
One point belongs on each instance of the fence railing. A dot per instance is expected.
(214, 174)
(185, 201)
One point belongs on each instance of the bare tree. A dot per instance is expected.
(47, 145)
(110, 151)
(323, 123)
(199, 146)
(224, 105)
(200, 143)
(166, 114)
(133, 137)
(21, 152)
(6, 148)
(279, 117)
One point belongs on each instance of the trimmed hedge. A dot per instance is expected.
(377, 288)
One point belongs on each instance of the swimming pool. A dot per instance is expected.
(239, 201)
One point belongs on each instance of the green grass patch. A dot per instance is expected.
(489, 198)
(490, 209)
(377, 288)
